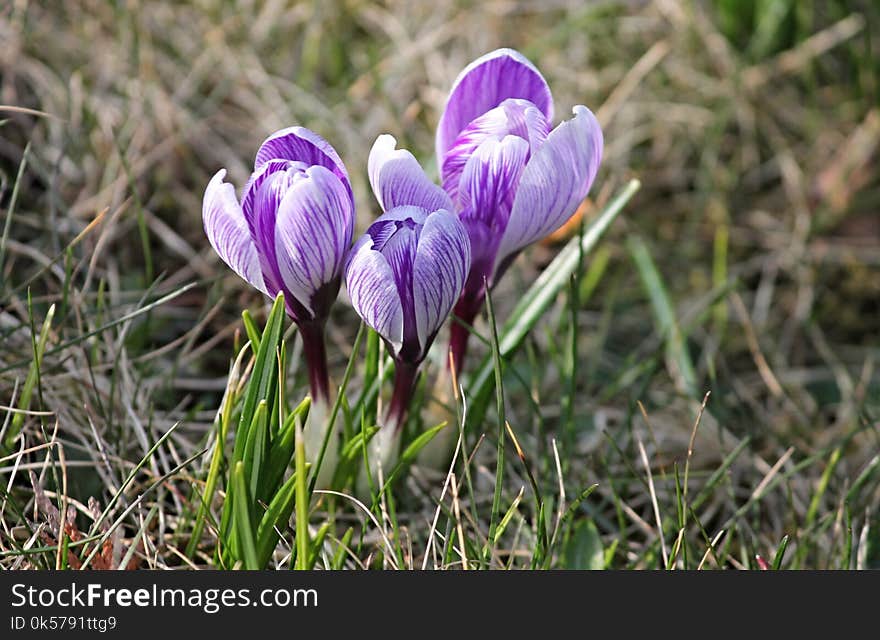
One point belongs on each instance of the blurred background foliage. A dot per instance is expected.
(752, 124)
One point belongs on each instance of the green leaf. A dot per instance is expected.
(282, 447)
(780, 554)
(511, 511)
(584, 548)
(257, 450)
(350, 455)
(244, 519)
(317, 543)
(371, 372)
(263, 378)
(276, 516)
(352, 448)
(302, 500)
(502, 421)
(222, 424)
(33, 376)
(250, 327)
(337, 404)
(341, 551)
(263, 375)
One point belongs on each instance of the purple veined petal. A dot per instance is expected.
(487, 192)
(258, 177)
(228, 231)
(264, 198)
(398, 179)
(489, 180)
(373, 291)
(399, 251)
(483, 85)
(512, 117)
(484, 245)
(302, 145)
(441, 266)
(385, 225)
(313, 231)
(554, 182)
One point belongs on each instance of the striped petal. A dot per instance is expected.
(399, 252)
(512, 117)
(313, 231)
(483, 85)
(302, 145)
(488, 188)
(266, 197)
(228, 231)
(554, 182)
(266, 171)
(373, 291)
(398, 179)
(441, 266)
(489, 180)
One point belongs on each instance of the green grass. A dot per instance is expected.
(730, 249)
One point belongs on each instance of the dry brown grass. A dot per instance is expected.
(774, 159)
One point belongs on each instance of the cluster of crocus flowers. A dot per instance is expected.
(508, 179)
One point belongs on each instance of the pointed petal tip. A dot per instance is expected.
(484, 84)
(298, 143)
(398, 179)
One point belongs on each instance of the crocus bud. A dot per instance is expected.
(403, 276)
(290, 232)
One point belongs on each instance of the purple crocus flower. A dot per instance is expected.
(511, 178)
(290, 232)
(406, 272)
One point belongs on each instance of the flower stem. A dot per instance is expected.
(405, 374)
(315, 353)
(466, 310)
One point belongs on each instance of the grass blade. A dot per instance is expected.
(275, 517)
(302, 501)
(780, 554)
(244, 519)
(39, 348)
(664, 315)
(502, 422)
(541, 295)
(10, 210)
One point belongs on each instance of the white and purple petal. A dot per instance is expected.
(398, 179)
(228, 231)
(554, 182)
(512, 117)
(265, 198)
(302, 145)
(373, 291)
(313, 231)
(441, 266)
(265, 172)
(483, 85)
(489, 180)
(399, 251)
